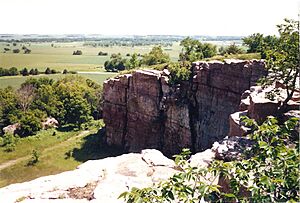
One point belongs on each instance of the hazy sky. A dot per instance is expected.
(144, 17)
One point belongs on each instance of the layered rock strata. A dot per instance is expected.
(141, 110)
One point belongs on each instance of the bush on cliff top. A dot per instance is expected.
(179, 72)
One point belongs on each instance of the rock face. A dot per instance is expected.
(99, 180)
(142, 111)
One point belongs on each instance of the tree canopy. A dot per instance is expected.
(193, 50)
(155, 56)
(71, 100)
(283, 59)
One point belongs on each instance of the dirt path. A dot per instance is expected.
(15, 161)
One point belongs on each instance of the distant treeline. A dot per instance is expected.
(163, 40)
(34, 71)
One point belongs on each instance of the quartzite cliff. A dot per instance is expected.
(141, 110)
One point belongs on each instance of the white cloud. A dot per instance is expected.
(118, 17)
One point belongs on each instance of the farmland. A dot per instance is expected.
(59, 55)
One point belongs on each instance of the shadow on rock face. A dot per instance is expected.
(94, 147)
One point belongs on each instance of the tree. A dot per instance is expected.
(209, 50)
(65, 71)
(31, 72)
(254, 42)
(9, 142)
(48, 101)
(193, 50)
(53, 71)
(25, 96)
(231, 49)
(8, 106)
(30, 122)
(155, 56)
(134, 61)
(283, 60)
(37, 83)
(257, 43)
(77, 52)
(13, 71)
(36, 71)
(24, 72)
(179, 72)
(77, 109)
(27, 51)
(78, 98)
(35, 158)
(101, 53)
(116, 63)
(48, 71)
(16, 51)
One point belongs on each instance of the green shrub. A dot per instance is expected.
(35, 158)
(9, 142)
(179, 72)
(31, 122)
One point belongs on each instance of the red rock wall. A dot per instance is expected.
(142, 111)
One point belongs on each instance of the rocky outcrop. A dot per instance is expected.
(256, 104)
(141, 110)
(100, 180)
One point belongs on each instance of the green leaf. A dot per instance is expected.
(230, 195)
(262, 144)
(123, 195)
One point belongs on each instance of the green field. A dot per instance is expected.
(60, 152)
(59, 57)
(16, 81)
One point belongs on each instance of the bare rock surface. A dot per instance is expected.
(99, 180)
(141, 110)
(231, 148)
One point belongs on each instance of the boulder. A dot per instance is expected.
(232, 148)
(11, 129)
(236, 126)
(50, 123)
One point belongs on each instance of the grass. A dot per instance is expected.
(236, 56)
(58, 153)
(16, 81)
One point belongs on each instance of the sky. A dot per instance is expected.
(145, 17)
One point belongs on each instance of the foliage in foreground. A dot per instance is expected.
(270, 175)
